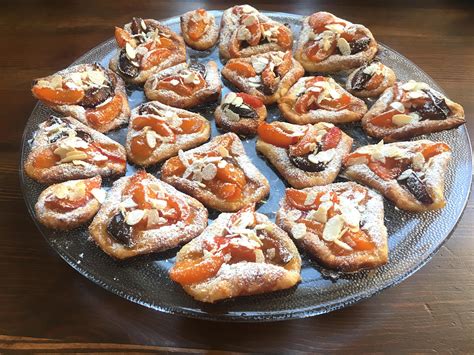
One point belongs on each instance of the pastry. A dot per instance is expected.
(185, 86)
(246, 32)
(65, 149)
(239, 254)
(145, 47)
(200, 30)
(341, 225)
(218, 173)
(69, 204)
(330, 44)
(267, 76)
(304, 155)
(411, 109)
(240, 113)
(370, 80)
(320, 99)
(157, 132)
(142, 214)
(89, 93)
(411, 174)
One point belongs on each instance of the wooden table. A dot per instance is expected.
(46, 305)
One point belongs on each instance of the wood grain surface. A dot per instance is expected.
(46, 306)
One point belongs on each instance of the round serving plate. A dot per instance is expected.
(413, 237)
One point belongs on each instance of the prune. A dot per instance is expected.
(94, 96)
(119, 230)
(360, 79)
(136, 25)
(84, 136)
(199, 67)
(125, 66)
(435, 109)
(303, 163)
(417, 188)
(242, 111)
(359, 45)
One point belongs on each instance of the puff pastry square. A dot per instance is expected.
(411, 109)
(218, 173)
(142, 215)
(240, 113)
(246, 32)
(341, 225)
(64, 148)
(157, 132)
(410, 174)
(238, 254)
(145, 47)
(267, 76)
(304, 155)
(184, 85)
(89, 93)
(320, 99)
(330, 44)
(69, 204)
(200, 29)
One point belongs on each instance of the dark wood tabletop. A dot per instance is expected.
(47, 306)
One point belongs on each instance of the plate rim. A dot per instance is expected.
(267, 316)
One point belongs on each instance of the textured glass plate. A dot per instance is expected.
(413, 238)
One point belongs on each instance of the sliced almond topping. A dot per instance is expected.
(230, 97)
(99, 194)
(343, 245)
(158, 204)
(130, 51)
(396, 105)
(324, 156)
(231, 115)
(174, 82)
(250, 20)
(134, 217)
(223, 151)
(320, 215)
(56, 81)
(343, 46)
(96, 76)
(310, 198)
(209, 172)
(298, 230)
(351, 215)
(150, 137)
(418, 161)
(294, 215)
(335, 27)
(401, 120)
(333, 228)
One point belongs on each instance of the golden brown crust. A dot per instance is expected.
(391, 134)
(389, 79)
(68, 171)
(166, 150)
(65, 220)
(299, 178)
(79, 112)
(209, 38)
(178, 55)
(210, 92)
(230, 25)
(150, 241)
(255, 189)
(435, 171)
(244, 84)
(335, 62)
(242, 126)
(243, 278)
(286, 104)
(372, 220)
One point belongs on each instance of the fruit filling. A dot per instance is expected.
(321, 93)
(242, 239)
(333, 36)
(215, 171)
(406, 166)
(241, 105)
(198, 24)
(335, 217)
(185, 83)
(413, 102)
(71, 195)
(145, 205)
(369, 77)
(310, 147)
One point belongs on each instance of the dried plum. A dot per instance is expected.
(136, 25)
(84, 136)
(57, 136)
(119, 230)
(360, 79)
(242, 111)
(94, 96)
(199, 67)
(303, 163)
(126, 67)
(417, 188)
(435, 109)
(359, 45)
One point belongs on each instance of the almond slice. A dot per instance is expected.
(99, 194)
(134, 217)
(344, 46)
